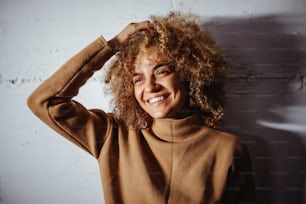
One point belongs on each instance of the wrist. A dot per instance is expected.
(114, 44)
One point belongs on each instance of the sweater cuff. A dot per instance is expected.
(109, 45)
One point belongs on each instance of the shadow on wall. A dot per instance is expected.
(266, 99)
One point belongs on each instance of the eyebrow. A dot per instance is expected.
(155, 67)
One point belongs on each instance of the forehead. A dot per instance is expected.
(148, 58)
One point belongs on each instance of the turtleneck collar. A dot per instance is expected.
(177, 130)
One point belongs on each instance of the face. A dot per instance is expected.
(157, 87)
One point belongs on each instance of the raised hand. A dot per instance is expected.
(121, 38)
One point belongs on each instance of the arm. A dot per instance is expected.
(52, 100)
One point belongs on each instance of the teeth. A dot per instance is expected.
(156, 99)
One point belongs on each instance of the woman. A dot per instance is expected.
(159, 145)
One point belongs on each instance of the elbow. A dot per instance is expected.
(31, 102)
(34, 103)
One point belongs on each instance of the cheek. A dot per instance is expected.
(177, 86)
(137, 94)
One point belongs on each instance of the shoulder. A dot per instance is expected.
(231, 151)
(109, 122)
(222, 137)
(237, 150)
(106, 117)
(228, 142)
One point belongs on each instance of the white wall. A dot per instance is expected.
(266, 90)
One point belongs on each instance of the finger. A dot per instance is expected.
(132, 28)
(143, 25)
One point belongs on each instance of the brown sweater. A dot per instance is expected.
(174, 161)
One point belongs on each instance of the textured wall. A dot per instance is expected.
(265, 41)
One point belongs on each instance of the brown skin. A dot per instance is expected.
(157, 87)
(154, 79)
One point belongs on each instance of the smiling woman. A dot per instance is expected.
(157, 88)
(197, 61)
(159, 144)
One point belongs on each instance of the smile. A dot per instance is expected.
(157, 99)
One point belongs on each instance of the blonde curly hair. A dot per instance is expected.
(197, 60)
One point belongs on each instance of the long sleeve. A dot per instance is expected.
(52, 100)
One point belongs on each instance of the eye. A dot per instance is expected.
(137, 80)
(162, 72)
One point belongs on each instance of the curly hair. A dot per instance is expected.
(197, 60)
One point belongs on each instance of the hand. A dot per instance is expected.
(120, 39)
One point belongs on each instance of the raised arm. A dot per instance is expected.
(52, 100)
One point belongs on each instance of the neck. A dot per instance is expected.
(175, 129)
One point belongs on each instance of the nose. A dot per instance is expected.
(152, 85)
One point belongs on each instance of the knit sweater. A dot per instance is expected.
(177, 161)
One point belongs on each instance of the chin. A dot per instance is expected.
(158, 116)
(161, 115)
